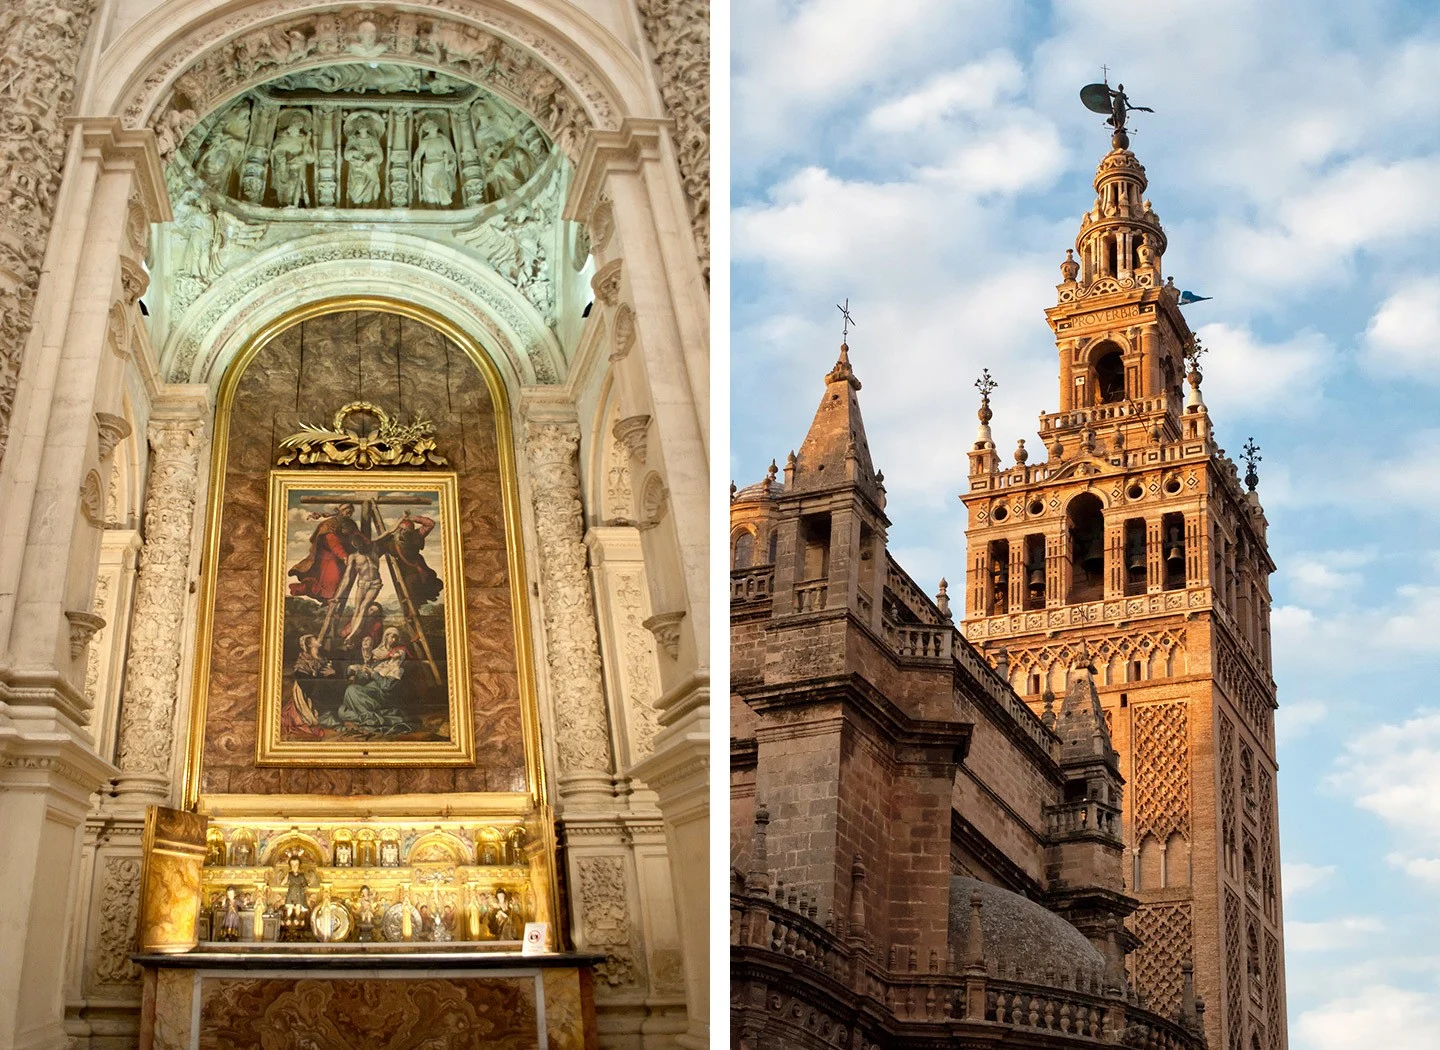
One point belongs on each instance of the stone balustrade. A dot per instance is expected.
(753, 584)
(789, 969)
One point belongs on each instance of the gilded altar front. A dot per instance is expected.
(363, 769)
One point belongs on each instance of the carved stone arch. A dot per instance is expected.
(275, 282)
(597, 80)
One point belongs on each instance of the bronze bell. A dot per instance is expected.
(1135, 561)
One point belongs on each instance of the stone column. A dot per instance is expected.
(572, 642)
(40, 42)
(651, 286)
(52, 479)
(152, 671)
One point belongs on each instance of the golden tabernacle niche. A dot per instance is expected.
(363, 779)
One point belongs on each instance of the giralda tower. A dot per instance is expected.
(1131, 538)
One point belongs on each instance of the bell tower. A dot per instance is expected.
(1133, 539)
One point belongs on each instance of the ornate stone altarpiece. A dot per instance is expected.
(321, 823)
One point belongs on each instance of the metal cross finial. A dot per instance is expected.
(1252, 457)
(848, 320)
(1193, 352)
(985, 384)
(1105, 74)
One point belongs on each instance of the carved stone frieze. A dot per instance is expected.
(284, 150)
(40, 42)
(152, 672)
(637, 651)
(214, 325)
(679, 35)
(619, 494)
(101, 604)
(119, 911)
(234, 57)
(606, 923)
(572, 639)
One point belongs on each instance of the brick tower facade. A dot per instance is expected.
(1134, 539)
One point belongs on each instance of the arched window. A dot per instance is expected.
(1110, 377)
(1086, 520)
(744, 550)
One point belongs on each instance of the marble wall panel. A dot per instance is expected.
(302, 376)
(367, 1013)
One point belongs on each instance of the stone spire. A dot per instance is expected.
(835, 450)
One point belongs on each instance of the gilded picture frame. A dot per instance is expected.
(364, 656)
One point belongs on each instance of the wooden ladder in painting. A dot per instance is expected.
(370, 514)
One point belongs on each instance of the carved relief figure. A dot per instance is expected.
(364, 156)
(291, 158)
(222, 156)
(204, 239)
(434, 165)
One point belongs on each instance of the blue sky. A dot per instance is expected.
(930, 160)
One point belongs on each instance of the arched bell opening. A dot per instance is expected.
(1085, 521)
(1110, 376)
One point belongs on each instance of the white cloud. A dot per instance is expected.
(1404, 334)
(1330, 935)
(1246, 376)
(1012, 159)
(1295, 718)
(1426, 869)
(1380, 1015)
(970, 89)
(1393, 771)
(1297, 877)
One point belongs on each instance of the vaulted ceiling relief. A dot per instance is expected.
(369, 143)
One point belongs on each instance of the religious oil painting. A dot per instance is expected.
(364, 656)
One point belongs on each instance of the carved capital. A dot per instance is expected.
(112, 430)
(606, 282)
(666, 629)
(631, 433)
(83, 626)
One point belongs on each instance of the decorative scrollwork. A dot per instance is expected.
(373, 439)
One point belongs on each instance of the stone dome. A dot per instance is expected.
(757, 493)
(1020, 933)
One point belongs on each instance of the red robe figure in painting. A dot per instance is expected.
(405, 543)
(318, 576)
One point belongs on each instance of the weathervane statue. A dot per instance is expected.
(1102, 98)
